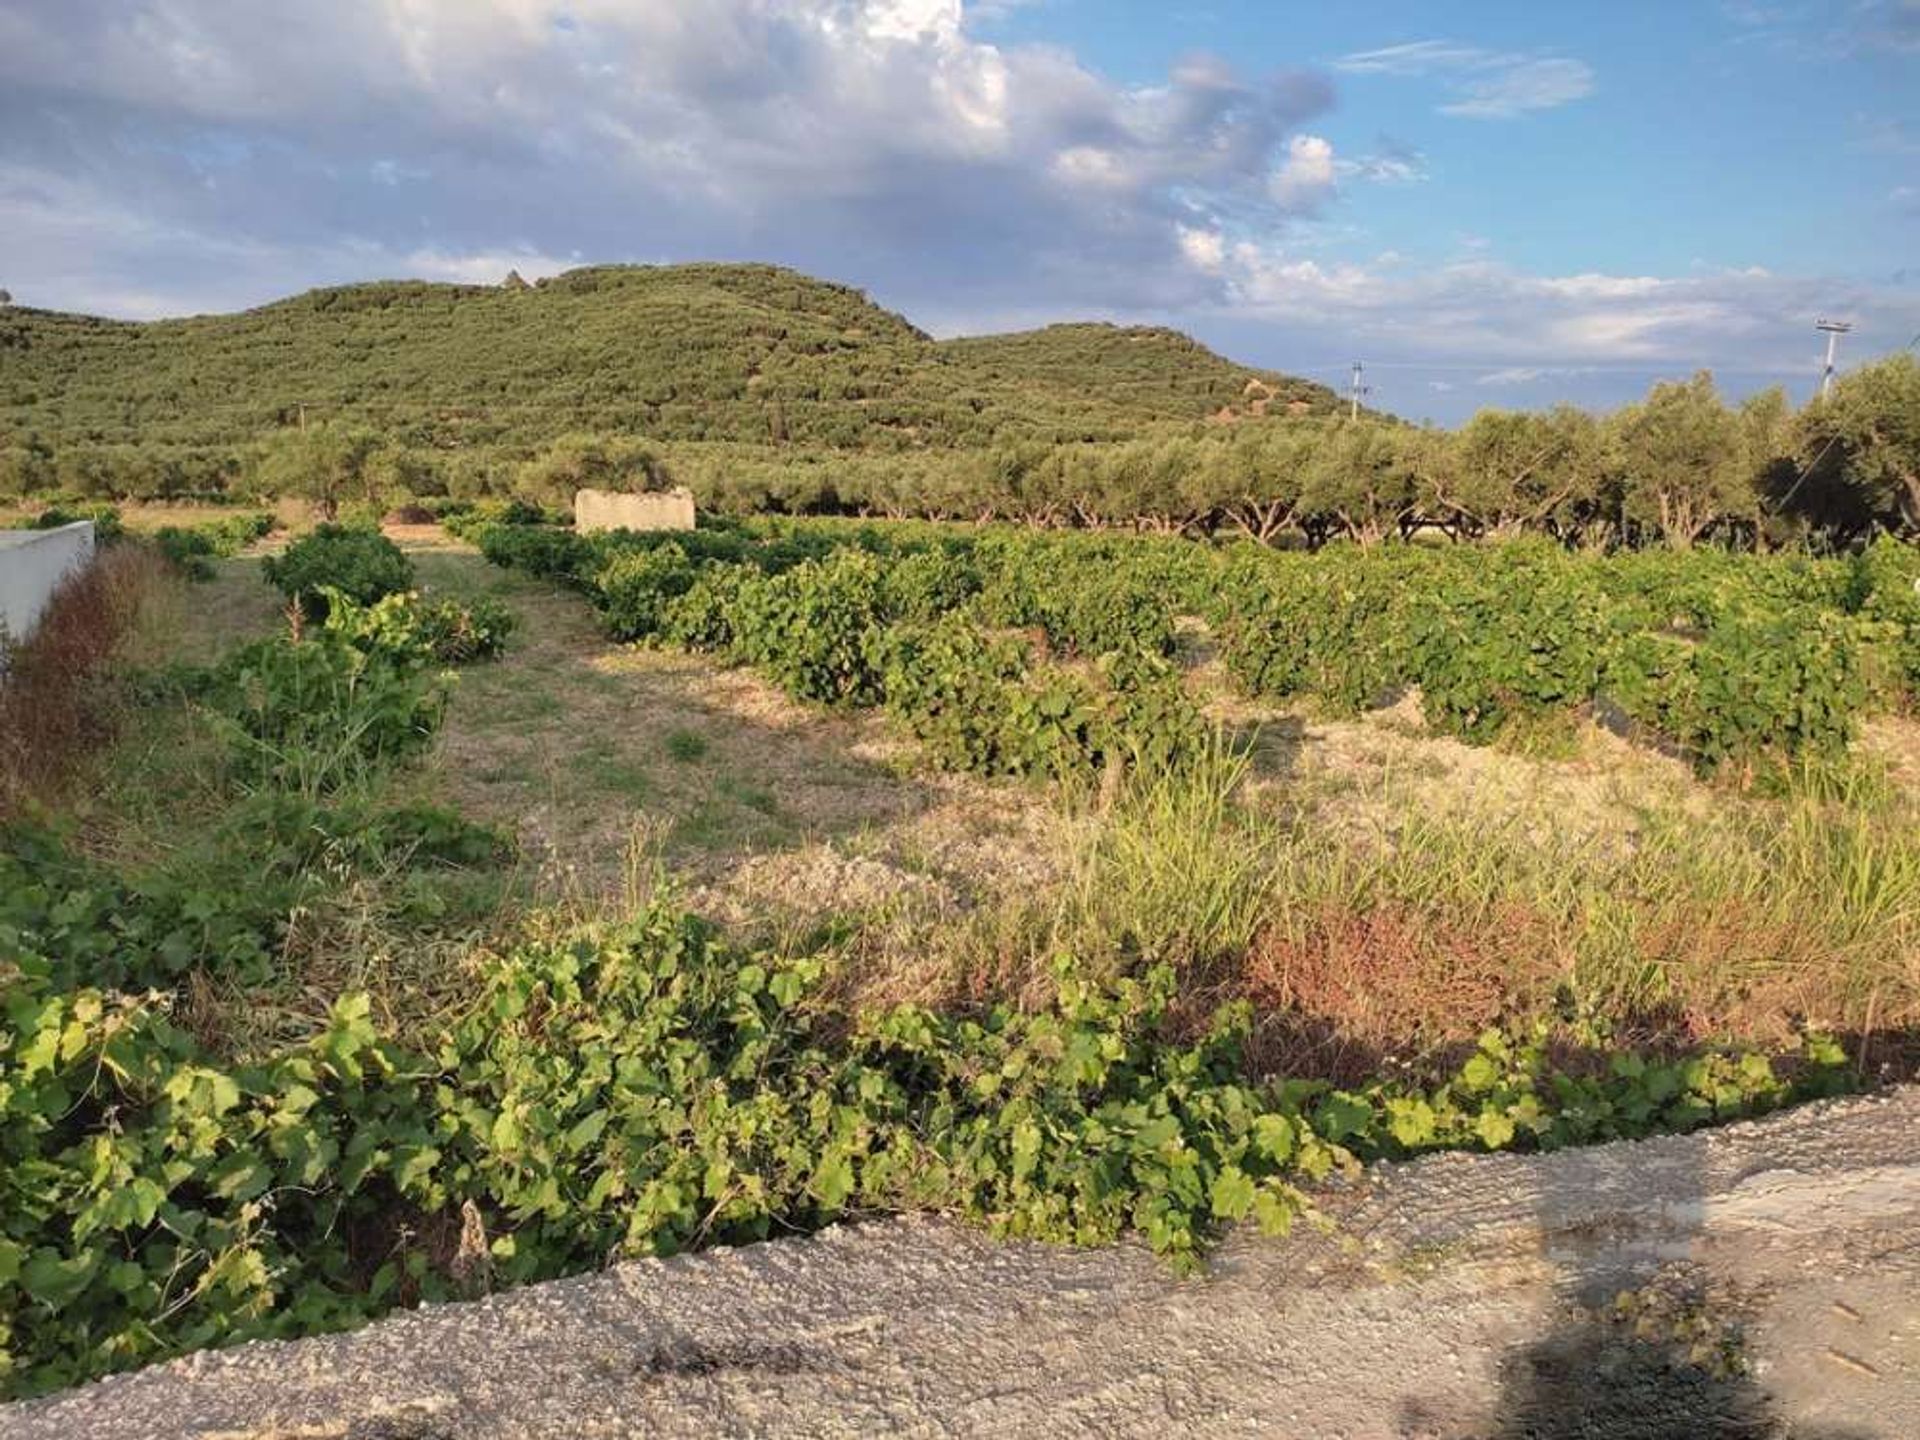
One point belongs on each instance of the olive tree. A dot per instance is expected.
(325, 464)
(1514, 470)
(1868, 431)
(1356, 483)
(588, 462)
(1684, 460)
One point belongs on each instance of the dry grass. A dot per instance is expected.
(1721, 918)
(772, 816)
(211, 617)
(57, 700)
(1346, 988)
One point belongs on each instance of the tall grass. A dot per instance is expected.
(1722, 917)
(1177, 869)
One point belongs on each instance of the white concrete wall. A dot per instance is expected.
(32, 565)
(650, 510)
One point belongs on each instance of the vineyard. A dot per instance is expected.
(287, 1039)
(1014, 653)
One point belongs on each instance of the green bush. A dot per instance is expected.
(635, 588)
(702, 617)
(222, 905)
(189, 551)
(806, 629)
(363, 565)
(1886, 590)
(980, 704)
(1760, 686)
(313, 715)
(470, 519)
(953, 687)
(541, 551)
(1102, 610)
(70, 921)
(1328, 625)
(232, 533)
(416, 632)
(928, 584)
(1493, 635)
(1491, 643)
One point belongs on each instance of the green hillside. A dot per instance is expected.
(742, 353)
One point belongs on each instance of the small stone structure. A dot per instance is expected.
(646, 510)
(32, 565)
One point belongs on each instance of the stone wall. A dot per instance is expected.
(32, 565)
(653, 510)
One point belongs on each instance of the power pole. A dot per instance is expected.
(1833, 329)
(1355, 390)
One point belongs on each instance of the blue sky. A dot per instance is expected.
(1701, 132)
(1489, 204)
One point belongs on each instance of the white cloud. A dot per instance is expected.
(1524, 325)
(488, 268)
(1305, 177)
(1531, 374)
(1382, 169)
(1418, 57)
(1489, 84)
(1205, 249)
(1603, 287)
(1523, 87)
(912, 19)
(879, 140)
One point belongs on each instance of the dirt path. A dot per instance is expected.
(1774, 1271)
(604, 757)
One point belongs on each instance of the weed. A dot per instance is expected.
(686, 746)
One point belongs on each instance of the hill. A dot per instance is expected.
(705, 352)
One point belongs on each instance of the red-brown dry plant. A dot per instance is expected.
(1355, 987)
(56, 702)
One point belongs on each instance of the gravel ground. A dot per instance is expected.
(1772, 1271)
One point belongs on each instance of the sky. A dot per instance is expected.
(1495, 204)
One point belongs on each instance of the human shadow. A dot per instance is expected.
(1594, 1378)
(1646, 1346)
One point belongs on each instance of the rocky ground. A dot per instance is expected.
(1760, 1280)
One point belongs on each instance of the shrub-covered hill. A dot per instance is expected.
(749, 353)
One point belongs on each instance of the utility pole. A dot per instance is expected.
(1833, 330)
(1355, 390)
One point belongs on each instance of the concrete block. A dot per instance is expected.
(649, 510)
(32, 565)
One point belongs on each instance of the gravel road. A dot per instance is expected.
(1772, 1271)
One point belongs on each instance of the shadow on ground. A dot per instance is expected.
(1641, 1352)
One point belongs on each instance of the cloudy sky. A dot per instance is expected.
(1501, 203)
